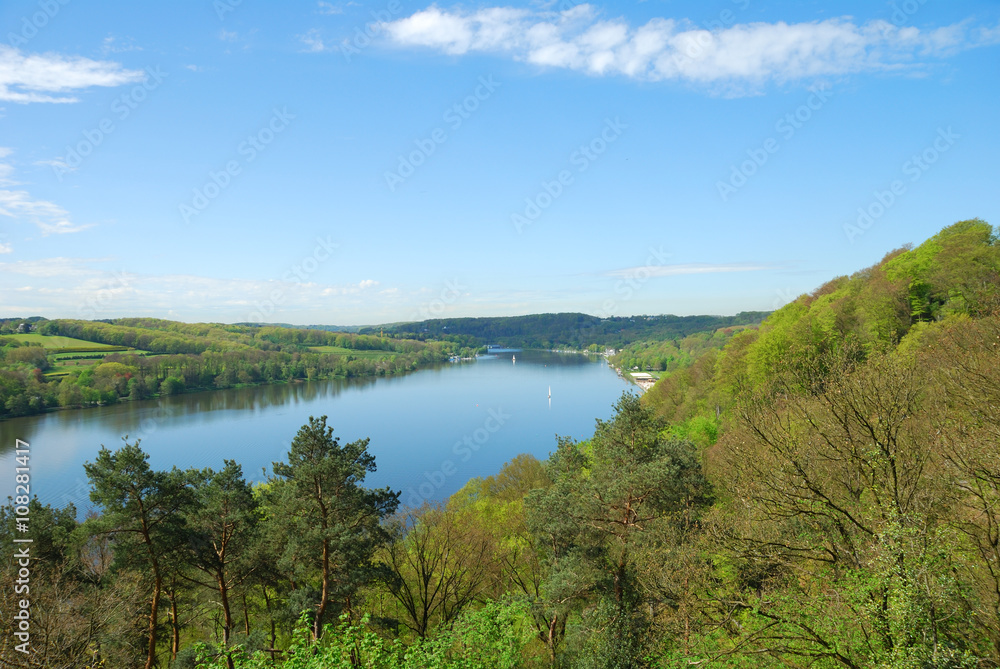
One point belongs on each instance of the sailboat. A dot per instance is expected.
(550, 392)
(513, 359)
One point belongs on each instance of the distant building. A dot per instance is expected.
(643, 380)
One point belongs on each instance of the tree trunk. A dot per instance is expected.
(246, 614)
(552, 639)
(270, 614)
(154, 607)
(227, 617)
(175, 627)
(325, 592)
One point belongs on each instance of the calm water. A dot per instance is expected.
(431, 431)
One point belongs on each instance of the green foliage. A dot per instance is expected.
(492, 637)
(329, 525)
(629, 488)
(562, 331)
(671, 355)
(187, 357)
(954, 273)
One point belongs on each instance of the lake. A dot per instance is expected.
(431, 430)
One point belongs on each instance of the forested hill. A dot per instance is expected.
(565, 330)
(904, 302)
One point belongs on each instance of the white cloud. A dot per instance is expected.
(6, 171)
(59, 286)
(737, 57)
(18, 204)
(49, 217)
(49, 77)
(114, 45)
(328, 8)
(314, 43)
(6, 248)
(689, 268)
(59, 165)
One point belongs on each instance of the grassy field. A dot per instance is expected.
(64, 365)
(57, 341)
(339, 350)
(61, 361)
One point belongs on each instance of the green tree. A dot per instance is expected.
(330, 523)
(144, 514)
(608, 497)
(224, 526)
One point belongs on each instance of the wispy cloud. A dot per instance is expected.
(20, 205)
(50, 218)
(313, 42)
(27, 78)
(689, 268)
(114, 45)
(45, 282)
(742, 56)
(328, 8)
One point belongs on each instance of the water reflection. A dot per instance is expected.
(414, 422)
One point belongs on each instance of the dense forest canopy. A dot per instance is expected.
(822, 491)
(566, 331)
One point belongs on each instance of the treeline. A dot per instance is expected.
(672, 354)
(211, 357)
(567, 330)
(161, 336)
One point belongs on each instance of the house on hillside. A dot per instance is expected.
(643, 380)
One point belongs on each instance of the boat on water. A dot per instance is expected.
(513, 359)
(550, 392)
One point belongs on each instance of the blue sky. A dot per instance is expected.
(355, 163)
